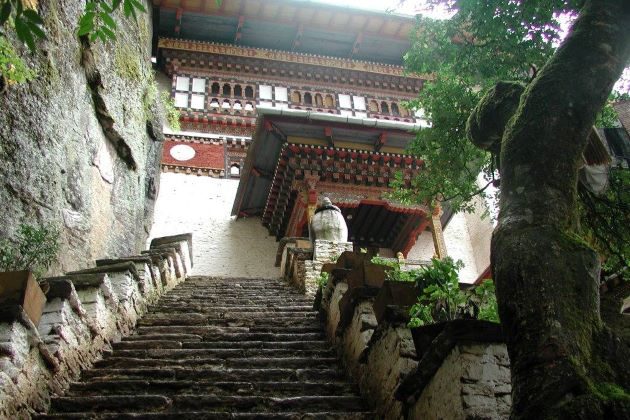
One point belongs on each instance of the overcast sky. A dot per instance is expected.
(408, 7)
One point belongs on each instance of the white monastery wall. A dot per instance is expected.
(222, 246)
(423, 249)
(480, 233)
(467, 238)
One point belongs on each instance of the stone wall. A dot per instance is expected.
(452, 370)
(85, 312)
(80, 144)
(224, 246)
(472, 383)
(301, 266)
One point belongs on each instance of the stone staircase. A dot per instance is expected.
(219, 348)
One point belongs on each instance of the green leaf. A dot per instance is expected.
(107, 19)
(91, 6)
(93, 36)
(127, 8)
(24, 33)
(5, 12)
(108, 32)
(33, 16)
(138, 5)
(37, 30)
(106, 7)
(86, 24)
(116, 4)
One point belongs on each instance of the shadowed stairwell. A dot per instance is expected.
(219, 348)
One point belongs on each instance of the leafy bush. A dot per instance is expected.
(11, 65)
(34, 248)
(443, 300)
(172, 113)
(396, 273)
(322, 280)
(487, 301)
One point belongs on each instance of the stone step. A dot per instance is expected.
(144, 387)
(238, 309)
(160, 403)
(217, 415)
(238, 321)
(218, 374)
(221, 353)
(194, 331)
(242, 338)
(215, 349)
(204, 319)
(299, 345)
(210, 362)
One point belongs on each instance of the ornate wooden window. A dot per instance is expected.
(373, 106)
(329, 102)
(319, 101)
(249, 92)
(216, 88)
(238, 91)
(308, 99)
(296, 97)
(395, 110)
(384, 108)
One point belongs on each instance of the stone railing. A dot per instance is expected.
(301, 264)
(453, 370)
(83, 313)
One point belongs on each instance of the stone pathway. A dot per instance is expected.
(219, 348)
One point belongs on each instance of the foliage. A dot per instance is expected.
(97, 21)
(23, 16)
(486, 301)
(396, 273)
(605, 221)
(608, 118)
(322, 280)
(482, 44)
(11, 65)
(443, 300)
(34, 248)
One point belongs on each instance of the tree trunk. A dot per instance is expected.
(565, 363)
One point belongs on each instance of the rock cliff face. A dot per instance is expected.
(80, 144)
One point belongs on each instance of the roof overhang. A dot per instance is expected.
(278, 127)
(290, 25)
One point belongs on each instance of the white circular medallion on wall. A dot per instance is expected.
(182, 152)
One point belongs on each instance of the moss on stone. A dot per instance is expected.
(126, 63)
(609, 391)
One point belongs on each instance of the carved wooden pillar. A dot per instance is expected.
(311, 183)
(438, 236)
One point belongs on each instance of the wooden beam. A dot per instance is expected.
(297, 39)
(380, 141)
(178, 21)
(438, 236)
(328, 133)
(239, 28)
(357, 44)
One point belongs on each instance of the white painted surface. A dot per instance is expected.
(222, 246)
(182, 152)
(458, 247)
